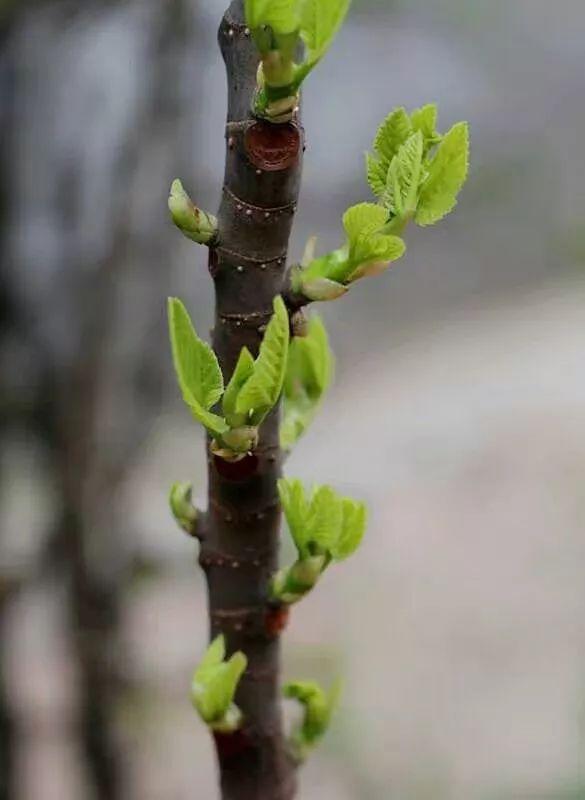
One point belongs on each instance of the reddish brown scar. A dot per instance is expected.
(276, 620)
(272, 147)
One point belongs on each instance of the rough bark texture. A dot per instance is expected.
(240, 551)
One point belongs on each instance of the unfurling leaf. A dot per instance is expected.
(214, 685)
(260, 393)
(243, 370)
(308, 375)
(212, 658)
(353, 527)
(195, 362)
(414, 170)
(362, 221)
(197, 369)
(296, 509)
(447, 173)
(369, 250)
(324, 521)
(318, 708)
(324, 524)
(325, 527)
(377, 171)
(403, 179)
(320, 23)
(391, 135)
(425, 120)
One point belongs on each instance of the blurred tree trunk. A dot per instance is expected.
(7, 721)
(94, 118)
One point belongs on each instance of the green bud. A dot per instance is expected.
(318, 708)
(275, 99)
(194, 223)
(241, 440)
(291, 584)
(182, 508)
(214, 686)
(322, 289)
(276, 70)
(309, 251)
(368, 270)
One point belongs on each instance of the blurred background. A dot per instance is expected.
(458, 411)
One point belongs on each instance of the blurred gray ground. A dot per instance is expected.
(458, 628)
(458, 412)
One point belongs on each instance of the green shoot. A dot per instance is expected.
(253, 391)
(325, 527)
(214, 685)
(279, 27)
(416, 174)
(318, 708)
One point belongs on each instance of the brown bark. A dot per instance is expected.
(240, 549)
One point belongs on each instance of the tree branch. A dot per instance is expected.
(240, 552)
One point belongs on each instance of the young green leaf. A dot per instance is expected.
(310, 363)
(280, 15)
(324, 521)
(447, 173)
(296, 509)
(308, 375)
(215, 696)
(197, 368)
(243, 370)
(195, 362)
(261, 391)
(212, 658)
(216, 425)
(353, 527)
(320, 23)
(404, 176)
(391, 134)
(370, 251)
(362, 221)
(326, 524)
(214, 685)
(376, 171)
(324, 528)
(318, 358)
(425, 120)
(394, 132)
